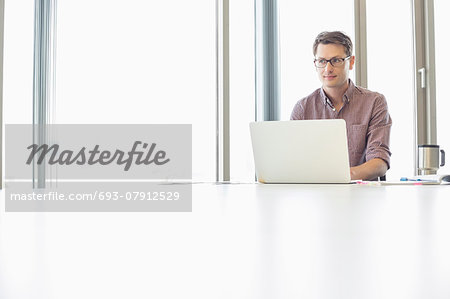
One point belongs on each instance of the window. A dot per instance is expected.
(442, 50)
(390, 72)
(242, 89)
(18, 63)
(299, 25)
(143, 62)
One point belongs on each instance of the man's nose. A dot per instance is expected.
(328, 66)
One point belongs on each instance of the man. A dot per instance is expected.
(365, 112)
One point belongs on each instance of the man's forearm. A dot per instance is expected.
(370, 170)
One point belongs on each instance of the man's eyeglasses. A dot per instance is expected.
(336, 61)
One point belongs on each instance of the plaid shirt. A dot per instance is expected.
(366, 115)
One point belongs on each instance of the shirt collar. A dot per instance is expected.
(348, 95)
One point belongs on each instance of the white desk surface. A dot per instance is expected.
(240, 241)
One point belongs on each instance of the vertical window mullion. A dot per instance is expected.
(43, 78)
(424, 72)
(267, 69)
(223, 91)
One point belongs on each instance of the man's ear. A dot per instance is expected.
(352, 62)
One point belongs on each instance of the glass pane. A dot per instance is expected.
(442, 50)
(242, 89)
(18, 62)
(390, 72)
(300, 22)
(140, 62)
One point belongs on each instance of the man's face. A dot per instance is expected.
(333, 76)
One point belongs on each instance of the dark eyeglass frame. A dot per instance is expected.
(331, 61)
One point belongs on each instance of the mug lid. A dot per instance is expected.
(428, 145)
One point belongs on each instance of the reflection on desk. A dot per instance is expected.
(240, 241)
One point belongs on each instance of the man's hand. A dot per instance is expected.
(370, 170)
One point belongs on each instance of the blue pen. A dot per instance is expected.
(404, 179)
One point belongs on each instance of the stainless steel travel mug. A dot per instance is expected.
(430, 158)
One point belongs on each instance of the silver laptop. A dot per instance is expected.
(301, 151)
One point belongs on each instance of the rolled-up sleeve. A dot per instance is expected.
(379, 131)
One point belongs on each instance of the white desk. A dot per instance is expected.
(240, 241)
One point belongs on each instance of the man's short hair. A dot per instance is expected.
(333, 37)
